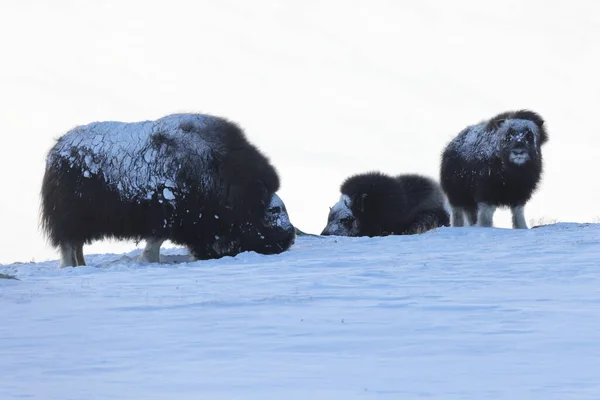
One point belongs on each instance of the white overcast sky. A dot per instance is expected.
(325, 88)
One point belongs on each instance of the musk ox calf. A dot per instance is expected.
(496, 163)
(375, 204)
(192, 179)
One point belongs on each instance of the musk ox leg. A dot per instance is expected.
(71, 255)
(68, 256)
(470, 217)
(457, 216)
(485, 214)
(518, 217)
(151, 253)
(79, 254)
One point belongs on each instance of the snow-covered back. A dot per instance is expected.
(455, 313)
(478, 143)
(132, 158)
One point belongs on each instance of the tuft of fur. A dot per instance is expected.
(495, 163)
(376, 204)
(193, 179)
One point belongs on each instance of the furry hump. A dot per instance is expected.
(193, 179)
(495, 163)
(376, 204)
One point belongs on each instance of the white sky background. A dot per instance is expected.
(325, 88)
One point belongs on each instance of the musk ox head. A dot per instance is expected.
(272, 234)
(520, 136)
(519, 141)
(277, 215)
(341, 221)
(275, 234)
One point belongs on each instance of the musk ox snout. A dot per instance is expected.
(341, 221)
(277, 214)
(275, 234)
(519, 155)
(520, 144)
(278, 220)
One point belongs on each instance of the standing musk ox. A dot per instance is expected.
(496, 163)
(375, 204)
(192, 179)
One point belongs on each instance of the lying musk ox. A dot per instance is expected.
(375, 204)
(496, 163)
(192, 179)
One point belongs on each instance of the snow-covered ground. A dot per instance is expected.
(456, 313)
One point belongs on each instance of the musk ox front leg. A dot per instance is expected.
(79, 254)
(71, 255)
(457, 216)
(463, 216)
(67, 255)
(470, 216)
(518, 217)
(485, 215)
(151, 253)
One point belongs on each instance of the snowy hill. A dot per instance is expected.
(456, 313)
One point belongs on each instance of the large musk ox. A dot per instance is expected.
(192, 179)
(496, 163)
(375, 204)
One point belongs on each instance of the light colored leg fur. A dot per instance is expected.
(79, 254)
(457, 217)
(518, 217)
(151, 253)
(485, 215)
(68, 257)
(470, 217)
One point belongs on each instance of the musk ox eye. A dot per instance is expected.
(275, 210)
(529, 136)
(347, 220)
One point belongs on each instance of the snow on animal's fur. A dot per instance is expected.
(495, 163)
(375, 204)
(132, 157)
(190, 178)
